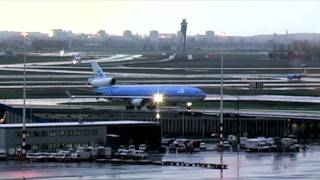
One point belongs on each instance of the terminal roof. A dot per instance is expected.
(84, 123)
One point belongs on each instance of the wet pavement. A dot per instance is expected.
(302, 165)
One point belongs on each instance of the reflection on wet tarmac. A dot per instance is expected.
(302, 165)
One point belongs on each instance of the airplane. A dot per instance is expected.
(298, 77)
(138, 96)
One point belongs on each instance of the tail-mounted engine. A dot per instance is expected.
(101, 82)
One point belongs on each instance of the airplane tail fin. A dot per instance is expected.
(97, 71)
(99, 78)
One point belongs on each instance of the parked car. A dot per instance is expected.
(81, 154)
(63, 156)
(3, 154)
(193, 146)
(42, 156)
(31, 156)
(167, 141)
(143, 147)
(140, 154)
(52, 156)
(104, 152)
(121, 147)
(126, 154)
(132, 147)
(11, 152)
(203, 146)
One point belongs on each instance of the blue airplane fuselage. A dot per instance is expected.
(170, 93)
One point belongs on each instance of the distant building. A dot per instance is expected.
(59, 34)
(170, 36)
(37, 35)
(17, 35)
(154, 35)
(102, 35)
(200, 37)
(10, 35)
(210, 35)
(127, 35)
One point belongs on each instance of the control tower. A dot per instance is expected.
(183, 31)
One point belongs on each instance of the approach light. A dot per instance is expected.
(158, 98)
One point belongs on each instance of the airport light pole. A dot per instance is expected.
(221, 105)
(183, 124)
(221, 117)
(24, 134)
(239, 122)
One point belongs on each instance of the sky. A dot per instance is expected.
(233, 17)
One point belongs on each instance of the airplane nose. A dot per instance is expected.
(203, 95)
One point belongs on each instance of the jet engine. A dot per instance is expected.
(101, 82)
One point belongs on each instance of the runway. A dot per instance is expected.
(57, 103)
(114, 58)
(210, 97)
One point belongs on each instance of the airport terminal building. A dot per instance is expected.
(43, 135)
(66, 135)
